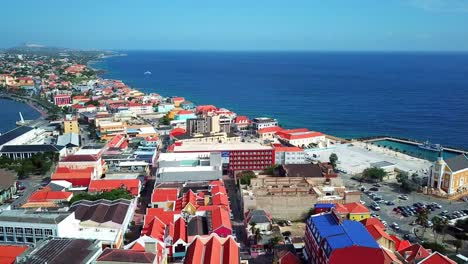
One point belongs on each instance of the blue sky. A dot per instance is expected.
(367, 25)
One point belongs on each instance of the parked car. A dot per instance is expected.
(403, 197)
(390, 203)
(374, 189)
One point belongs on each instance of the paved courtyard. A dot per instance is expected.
(354, 158)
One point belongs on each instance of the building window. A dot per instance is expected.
(19, 230)
(28, 231)
(48, 232)
(38, 232)
(1, 229)
(9, 230)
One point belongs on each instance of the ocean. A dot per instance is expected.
(10, 114)
(420, 96)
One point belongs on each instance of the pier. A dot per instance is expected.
(408, 141)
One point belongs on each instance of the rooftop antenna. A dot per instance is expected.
(21, 118)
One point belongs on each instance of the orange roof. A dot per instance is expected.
(437, 258)
(185, 112)
(206, 108)
(373, 221)
(390, 257)
(179, 99)
(131, 185)
(45, 196)
(377, 232)
(164, 195)
(352, 208)
(216, 183)
(64, 172)
(165, 216)
(9, 253)
(220, 218)
(270, 129)
(116, 141)
(213, 250)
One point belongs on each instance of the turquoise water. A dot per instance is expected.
(413, 150)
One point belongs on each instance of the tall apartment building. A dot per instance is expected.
(203, 125)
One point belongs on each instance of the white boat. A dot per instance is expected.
(429, 146)
(147, 72)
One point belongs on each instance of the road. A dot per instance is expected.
(237, 211)
(31, 186)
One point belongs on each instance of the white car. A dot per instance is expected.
(362, 202)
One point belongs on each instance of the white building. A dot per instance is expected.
(23, 226)
(289, 155)
(388, 167)
(201, 166)
(263, 122)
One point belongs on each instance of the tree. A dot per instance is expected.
(439, 226)
(246, 177)
(274, 241)
(253, 227)
(270, 170)
(374, 174)
(405, 183)
(435, 247)
(422, 218)
(165, 120)
(458, 244)
(257, 236)
(333, 159)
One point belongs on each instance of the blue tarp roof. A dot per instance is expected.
(327, 205)
(342, 235)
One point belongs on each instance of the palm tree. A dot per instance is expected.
(253, 227)
(273, 242)
(458, 244)
(257, 236)
(422, 218)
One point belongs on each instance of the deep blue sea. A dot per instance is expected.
(9, 113)
(420, 96)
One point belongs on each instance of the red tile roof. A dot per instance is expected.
(116, 141)
(206, 108)
(180, 230)
(131, 185)
(286, 257)
(437, 258)
(49, 196)
(165, 216)
(177, 132)
(273, 129)
(288, 149)
(164, 195)
(80, 158)
(130, 256)
(66, 173)
(178, 99)
(220, 199)
(377, 232)
(220, 218)
(400, 244)
(218, 189)
(212, 250)
(414, 253)
(352, 208)
(9, 253)
(299, 133)
(184, 112)
(242, 120)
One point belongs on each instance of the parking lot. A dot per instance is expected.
(390, 192)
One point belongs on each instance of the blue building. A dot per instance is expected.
(329, 239)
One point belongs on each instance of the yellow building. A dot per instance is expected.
(108, 130)
(353, 211)
(450, 175)
(173, 112)
(70, 125)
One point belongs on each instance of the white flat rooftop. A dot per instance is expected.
(183, 156)
(88, 152)
(189, 146)
(188, 169)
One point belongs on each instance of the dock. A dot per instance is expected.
(411, 142)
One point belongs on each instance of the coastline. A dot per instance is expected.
(357, 136)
